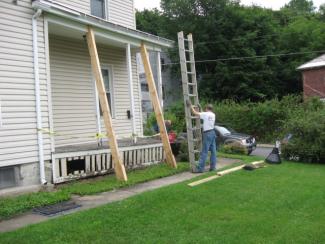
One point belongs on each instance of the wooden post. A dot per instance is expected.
(117, 161)
(157, 108)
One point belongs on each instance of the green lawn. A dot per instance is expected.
(10, 206)
(277, 204)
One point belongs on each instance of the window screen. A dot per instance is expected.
(108, 87)
(98, 8)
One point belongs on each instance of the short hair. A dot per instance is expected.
(209, 107)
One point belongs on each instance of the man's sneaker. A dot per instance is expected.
(197, 171)
(212, 170)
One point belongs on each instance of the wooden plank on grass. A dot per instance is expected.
(199, 182)
(221, 173)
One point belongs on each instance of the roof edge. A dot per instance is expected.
(55, 8)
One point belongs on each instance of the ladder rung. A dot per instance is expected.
(194, 129)
(191, 95)
(190, 62)
(190, 73)
(195, 140)
(195, 151)
(195, 117)
(191, 84)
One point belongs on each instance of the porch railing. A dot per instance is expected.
(74, 165)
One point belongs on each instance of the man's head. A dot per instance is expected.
(209, 108)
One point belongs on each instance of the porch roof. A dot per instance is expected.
(79, 20)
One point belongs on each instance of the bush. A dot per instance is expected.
(307, 126)
(233, 148)
(174, 113)
(263, 120)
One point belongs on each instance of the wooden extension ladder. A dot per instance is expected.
(190, 92)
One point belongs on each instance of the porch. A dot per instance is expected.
(92, 159)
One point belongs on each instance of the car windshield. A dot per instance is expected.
(223, 131)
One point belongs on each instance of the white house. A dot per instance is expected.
(50, 120)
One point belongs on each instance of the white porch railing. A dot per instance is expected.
(74, 165)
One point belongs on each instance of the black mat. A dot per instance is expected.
(56, 208)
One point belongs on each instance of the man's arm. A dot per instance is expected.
(194, 111)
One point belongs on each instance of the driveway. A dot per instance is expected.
(262, 151)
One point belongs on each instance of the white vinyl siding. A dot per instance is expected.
(18, 133)
(78, 5)
(122, 12)
(73, 96)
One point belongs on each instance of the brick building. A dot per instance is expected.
(313, 73)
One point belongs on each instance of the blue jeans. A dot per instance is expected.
(208, 144)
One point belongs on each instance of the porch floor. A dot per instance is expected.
(126, 142)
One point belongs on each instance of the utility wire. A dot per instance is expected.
(249, 57)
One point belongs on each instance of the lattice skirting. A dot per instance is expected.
(75, 165)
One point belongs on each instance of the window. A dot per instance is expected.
(107, 77)
(144, 87)
(7, 177)
(97, 8)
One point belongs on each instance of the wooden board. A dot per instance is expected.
(95, 64)
(221, 173)
(170, 159)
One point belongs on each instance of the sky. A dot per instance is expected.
(275, 4)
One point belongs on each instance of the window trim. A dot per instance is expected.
(110, 69)
(106, 2)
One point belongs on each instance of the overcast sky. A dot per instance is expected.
(275, 4)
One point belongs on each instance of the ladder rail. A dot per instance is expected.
(190, 92)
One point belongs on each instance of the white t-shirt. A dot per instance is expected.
(208, 120)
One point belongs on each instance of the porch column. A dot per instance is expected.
(159, 80)
(130, 78)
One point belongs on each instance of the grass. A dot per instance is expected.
(276, 204)
(11, 206)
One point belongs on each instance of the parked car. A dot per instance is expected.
(226, 135)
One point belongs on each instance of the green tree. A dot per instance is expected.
(224, 30)
(300, 6)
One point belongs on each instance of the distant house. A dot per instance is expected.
(314, 77)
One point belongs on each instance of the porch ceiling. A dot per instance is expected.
(78, 34)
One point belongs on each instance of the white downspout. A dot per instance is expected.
(129, 68)
(37, 97)
(159, 80)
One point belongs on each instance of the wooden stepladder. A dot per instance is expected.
(170, 159)
(117, 161)
(190, 93)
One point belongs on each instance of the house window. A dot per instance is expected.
(7, 177)
(144, 87)
(97, 8)
(107, 77)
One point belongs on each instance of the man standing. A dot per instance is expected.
(209, 138)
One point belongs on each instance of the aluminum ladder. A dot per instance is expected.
(190, 92)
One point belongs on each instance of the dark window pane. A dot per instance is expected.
(98, 8)
(144, 87)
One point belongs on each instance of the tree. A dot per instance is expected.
(301, 6)
(223, 30)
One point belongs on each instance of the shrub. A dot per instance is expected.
(307, 126)
(233, 148)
